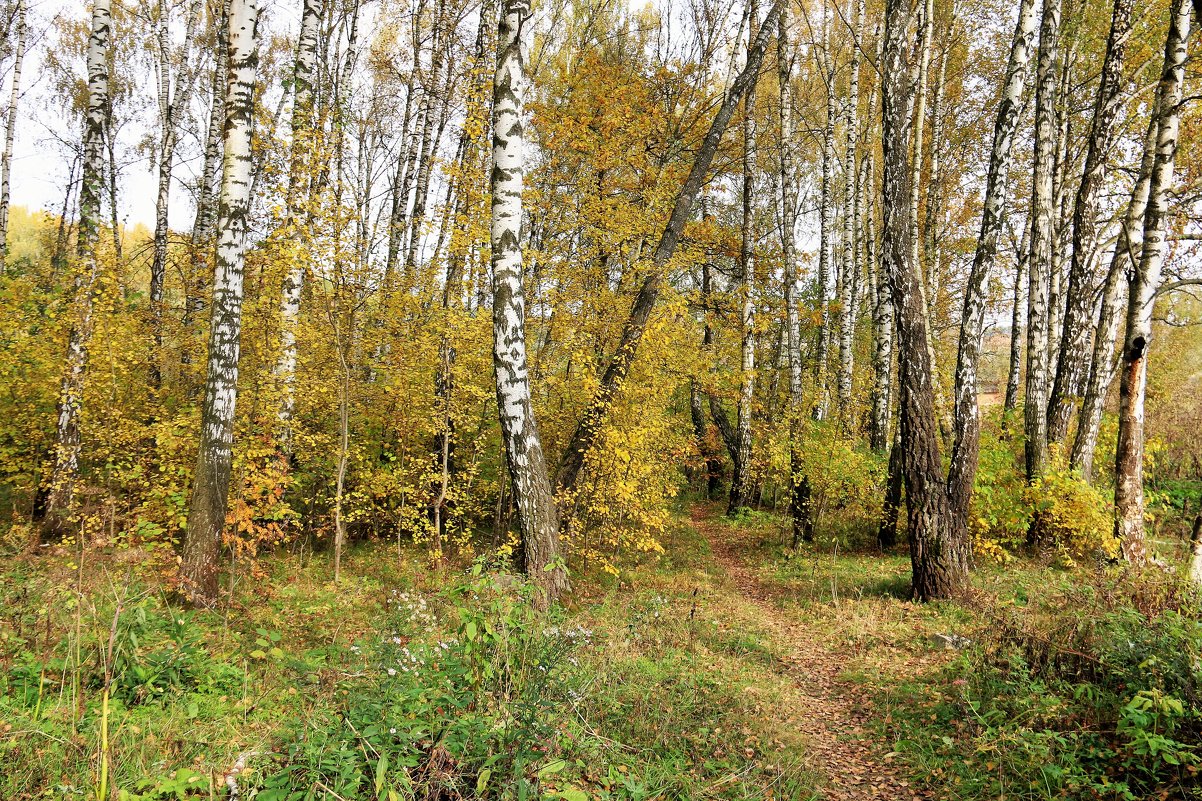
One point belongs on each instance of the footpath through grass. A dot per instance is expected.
(755, 672)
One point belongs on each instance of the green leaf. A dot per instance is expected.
(551, 768)
(482, 780)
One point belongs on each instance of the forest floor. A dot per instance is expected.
(730, 666)
(855, 761)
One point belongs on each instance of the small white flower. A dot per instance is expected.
(391, 671)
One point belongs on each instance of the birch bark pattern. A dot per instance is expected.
(1042, 236)
(851, 262)
(211, 479)
(1142, 286)
(966, 447)
(740, 485)
(939, 559)
(826, 224)
(65, 472)
(10, 131)
(303, 74)
(1074, 340)
(537, 514)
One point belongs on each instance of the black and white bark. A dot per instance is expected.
(211, 478)
(1043, 235)
(1143, 282)
(537, 514)
(1078, 309)
(10, 131)
(966, 446)
(65, 472)
(851, 262)
(1104, 364)
(826, 227)
(939, 556)
(741, 489)
(304, 75)
(173, 100)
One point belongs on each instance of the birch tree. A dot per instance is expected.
(740, 485)
(966, 447)
(1143, 282)
(535, 499)
(67, 448)
(1074, 340)
(211, 478)
(304, 74)
(1042, 242)
(10, 132)
(851, 262)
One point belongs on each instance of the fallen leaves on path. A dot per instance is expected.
(832, 716)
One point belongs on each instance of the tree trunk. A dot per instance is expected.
(211, 478)
(589, 428)
(966, 448)
(1042, 242)
(741, 484)
(1104, 363)
(10, 131)
(939, 558)
(1142, 285)
(1074, 341)
(304, 74)
(172, 101)
(851, 261)
(527, 467)
(65, 472)
(826, 228)
(1021, 258)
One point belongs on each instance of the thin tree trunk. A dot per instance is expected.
(851, 262)
(1013, 374)
(1142, 285)
(826, 228)
(589, 428)
(10, 131)
(65, 472)
(966, 448)
(172, 101)
(304, 73)
(1042, 243)
(532, 488)
(211, 478)
(741, 485)
(1104, 363)
(1074, 341)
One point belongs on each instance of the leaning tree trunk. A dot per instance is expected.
(67, 436)
(1021, 258)
(1074, 340)
(527, 466)
(966, 447)
(1042, 242)
(211, 479)
(10, 130)
(1142, 286)
(589, 428)
(741, 485)
(939, 558)
(304, 73)
(1104, 363)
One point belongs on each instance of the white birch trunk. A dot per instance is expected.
(211, 479)
(10, 131)
(851, 265)
(537, 514)
(1042, 243)
(304, 74)
(826, 226)
(67, 436)
(1142, 285)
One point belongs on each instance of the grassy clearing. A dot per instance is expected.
(660, 685)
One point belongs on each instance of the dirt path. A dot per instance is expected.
(840, 739)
